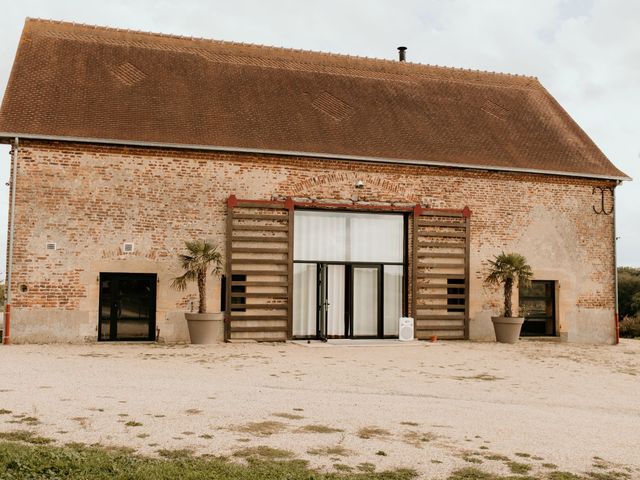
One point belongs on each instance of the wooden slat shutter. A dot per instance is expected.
(259, 270)
(441, 273)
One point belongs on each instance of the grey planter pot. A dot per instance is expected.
(507, 328)
(205, 328)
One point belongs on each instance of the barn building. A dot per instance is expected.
(344, 193)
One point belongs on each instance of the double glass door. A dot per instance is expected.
(348, 301)
(127, 306)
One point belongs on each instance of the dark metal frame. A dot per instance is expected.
(349, 280)
(553, 285)
(113, 325)
(321, 290)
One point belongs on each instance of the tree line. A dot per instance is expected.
(629, 301)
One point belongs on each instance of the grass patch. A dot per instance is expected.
(481, 376)
(20, 461)
(410, 424)
(331, 451)
(4, 411)
(518, 468)
(564, 476)
(523, 455)
(177, 454)
(470, 458)
(366, 467)
(611, 475)
(288, 416)
(497, 457)
(317, 428)
(373, 432)
(263, 429)
(341, 467)
(417, 438)
(265, 452)
(25, 436)
(26, 420)
(472, 473)
(82, 421)
(132, 423)
(551, 466)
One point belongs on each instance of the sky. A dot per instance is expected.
(585, 52)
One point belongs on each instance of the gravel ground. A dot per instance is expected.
(432, 407)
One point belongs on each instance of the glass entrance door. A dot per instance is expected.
(332, 321)
(127, 306)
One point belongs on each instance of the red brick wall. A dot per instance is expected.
(91, 199)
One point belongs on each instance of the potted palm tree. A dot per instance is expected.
(201, 257)
(508, 269)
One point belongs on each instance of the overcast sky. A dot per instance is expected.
(585, 52)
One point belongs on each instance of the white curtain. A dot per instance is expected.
(335, 294)
(392, 298)
(365, 301)
(304, 299)
(348, 237)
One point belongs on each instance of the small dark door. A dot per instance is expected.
(127, 306)
(538, 304)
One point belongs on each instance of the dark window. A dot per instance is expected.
(237, 289)
(537, 305)
(455, 286)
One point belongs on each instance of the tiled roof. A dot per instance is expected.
(80, 81)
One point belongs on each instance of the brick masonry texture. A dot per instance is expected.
(90, 199)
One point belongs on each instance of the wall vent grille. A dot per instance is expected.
(127, 247)
(51, 246)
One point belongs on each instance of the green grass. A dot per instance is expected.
(263, 451)
(330, 451)
(563, 476)
(288, 416)
(519, 468)
(373, 432)
(24, 436)
(319, 429)
(19, 461)
(472, 473)
(263, 429)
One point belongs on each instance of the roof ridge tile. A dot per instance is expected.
(373, 61)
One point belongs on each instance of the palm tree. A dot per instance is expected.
(508, 268)
(201, 256)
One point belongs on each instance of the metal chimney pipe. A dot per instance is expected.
(402, 53)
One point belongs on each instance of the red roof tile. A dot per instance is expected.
(90, 82)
